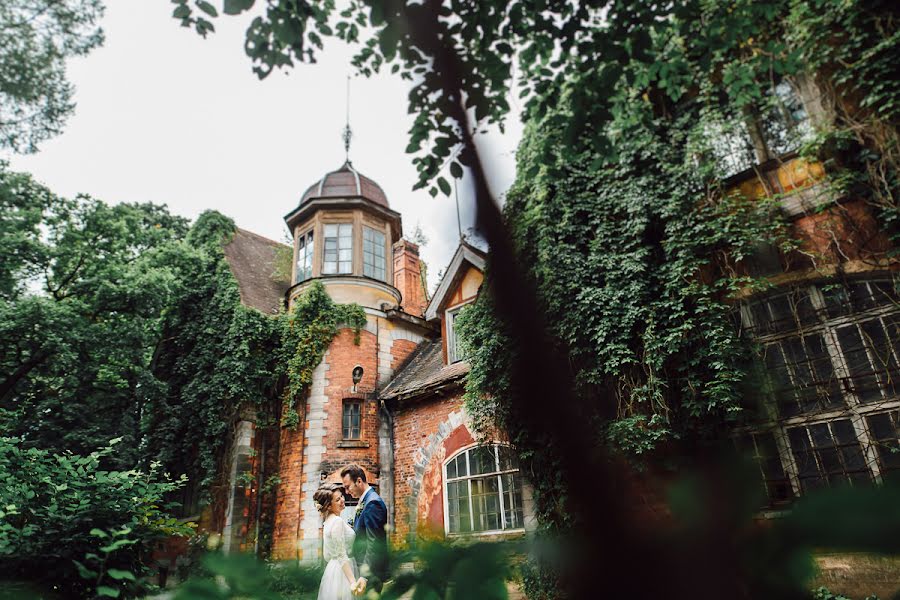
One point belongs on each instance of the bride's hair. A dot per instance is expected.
(324, 497)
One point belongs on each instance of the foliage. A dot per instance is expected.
(81, 298)
(214, 356)
(307, 334)
(38, 37)
(67, 522)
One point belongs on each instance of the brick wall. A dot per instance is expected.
(425, 433)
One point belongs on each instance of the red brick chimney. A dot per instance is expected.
(408, 278)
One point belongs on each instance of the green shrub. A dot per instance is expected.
(71, 527)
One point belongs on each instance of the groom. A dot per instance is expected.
(370, 546)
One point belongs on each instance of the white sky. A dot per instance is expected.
(168, 117)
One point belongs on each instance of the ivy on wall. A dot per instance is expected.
(307, 333)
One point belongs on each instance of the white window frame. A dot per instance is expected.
(305, 255)
(344, 429)
(452, 343)
(374, 254)
(468, 478)
(338, 249)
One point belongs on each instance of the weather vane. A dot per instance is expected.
(348, 133)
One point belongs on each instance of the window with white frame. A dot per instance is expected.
(832, 357)
(374, 254)
(776, 126)
(352, 419)
(338, 255)
(455, 351)
(483, 491)
(304, 256)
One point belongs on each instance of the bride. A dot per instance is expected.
(340, 580)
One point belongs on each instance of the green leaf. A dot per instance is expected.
(98, 533)
(119, 574)
(236, 7)
(84, 572)
(109, 592)
(207, 8)
(456, 170)
(181, 12)
(445, 187)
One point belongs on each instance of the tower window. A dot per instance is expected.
(304, 256)
(338, 249)
(373, 254)
(352, 419)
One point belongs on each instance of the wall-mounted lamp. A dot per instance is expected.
(357, 376)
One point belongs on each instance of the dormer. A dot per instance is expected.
(458, 288)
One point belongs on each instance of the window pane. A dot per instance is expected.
(782, 315)
(807, 467)
(862, 377)
(486, 504)
(508, 459)
(885, 431)
(780, 381)
(451, 469)
(351, 429)
(881, 353)
(481, 460)
(512, 501)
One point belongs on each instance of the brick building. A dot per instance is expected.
(391, 402)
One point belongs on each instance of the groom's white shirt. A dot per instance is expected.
(362, 498)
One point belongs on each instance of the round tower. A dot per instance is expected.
(347, 237)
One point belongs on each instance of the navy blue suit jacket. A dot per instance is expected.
(370, 546)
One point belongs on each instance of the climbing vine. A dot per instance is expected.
(307, 333)
(634, 238)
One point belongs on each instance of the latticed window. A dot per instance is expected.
(832, 358)
(828, 454)
(352, 419)
(304, 256)
(483, 490)
(374, 254)
(338, 255)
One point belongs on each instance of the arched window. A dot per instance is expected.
(483, 491)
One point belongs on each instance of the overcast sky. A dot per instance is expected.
(165, 116)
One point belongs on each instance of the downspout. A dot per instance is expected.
(389, 461)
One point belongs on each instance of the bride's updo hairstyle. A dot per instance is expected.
(324, 496)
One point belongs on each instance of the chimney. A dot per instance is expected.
(408, 278)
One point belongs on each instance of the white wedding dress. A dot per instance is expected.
(337, 542)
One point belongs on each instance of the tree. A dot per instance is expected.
(84, 287)
(37, 38)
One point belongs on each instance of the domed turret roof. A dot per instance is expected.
(346, 182)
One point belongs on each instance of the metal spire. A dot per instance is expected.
(348, 133)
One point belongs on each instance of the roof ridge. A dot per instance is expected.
(262, 237)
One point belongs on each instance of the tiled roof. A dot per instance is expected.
(343, 183)
(262, 268)
(424, 372)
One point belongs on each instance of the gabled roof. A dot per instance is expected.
(466, 254)
(262, 268)
(424, 372)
